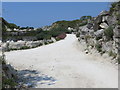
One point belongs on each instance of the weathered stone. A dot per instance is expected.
(104, 25)
(53, 39)
(117, 32)
(104, 18)
(111, 20)
(99, 33)
(17, 45)
(89, 25)
(33, 43)
(108, 46)
(104, 13)
(97, 21)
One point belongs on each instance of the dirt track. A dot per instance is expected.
(63, 65)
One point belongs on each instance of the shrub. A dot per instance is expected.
(57, 39)
(12, 49)
(78, 35)
(9, 82)
(25, 47)
(44, 35)
(98, 38)
(98, 47)
(113, 5)
(46, 43)
(114, 55)
(83, 23)
(12, 26)
(109, 33)
(118, 22)
(85, 17)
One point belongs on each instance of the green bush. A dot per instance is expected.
(57, 39)
(98, 47)
(114, 55)
(112, 8)
(118, 22)
(98, 38)
(85, 17)
(44, 35)
(109, 33)
(12, 49)
(25, 47)
(82, 24)
(9, 82)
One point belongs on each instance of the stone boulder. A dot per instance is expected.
(99, 33)
(17, 45)
(104, 25)
(105, 18)
(50, 41)
(84, 30)
(111, 20)
(104, 13)
(117, 31)
(53, 39)
(32, 44)
(89, 25)
(108, 46)
(97, 21)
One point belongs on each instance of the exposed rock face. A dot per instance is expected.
(97, 21)
(104, 25)
(33, 43)
(11, 45)
(99, 33)
(18, 44)
(103, 32)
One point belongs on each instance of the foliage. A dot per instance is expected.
(24, 47)
(8, 82)
(118, 22)
(65, 24)
(109, 33)
(112, 8)
(98, 38)
(114, 55)
(98, 47)
(26, 27)
(82, 24)
(43, 35)
(85, 17)
(12, 26)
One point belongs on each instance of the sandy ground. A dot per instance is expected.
(63, 65)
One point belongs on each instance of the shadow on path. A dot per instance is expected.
(30, 78)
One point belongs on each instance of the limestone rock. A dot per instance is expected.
(104, 25)
(104, 13)
(99, 33)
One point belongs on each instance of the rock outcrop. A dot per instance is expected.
(103, 32)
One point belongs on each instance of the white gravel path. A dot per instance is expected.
(63, 65)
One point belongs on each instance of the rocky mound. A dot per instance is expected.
(103, 32)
